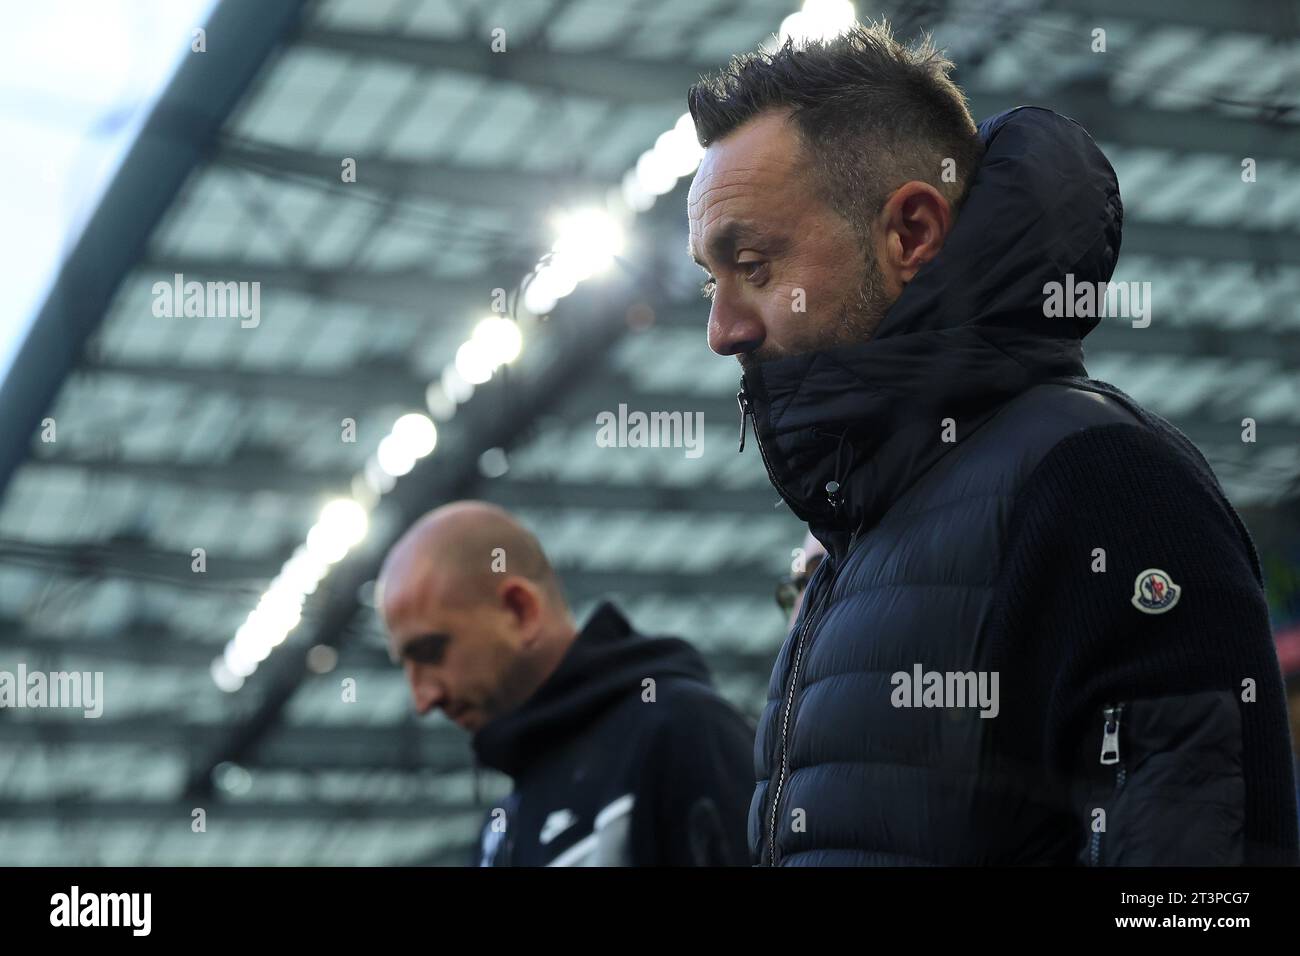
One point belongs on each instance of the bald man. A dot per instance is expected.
(790, 593)
(621, 752)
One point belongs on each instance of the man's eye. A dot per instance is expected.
(750, 269)
(427, 650)
(709, 286)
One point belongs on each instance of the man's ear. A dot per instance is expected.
(522, 600)
(914, 223)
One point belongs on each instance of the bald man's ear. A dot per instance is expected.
(523, 600)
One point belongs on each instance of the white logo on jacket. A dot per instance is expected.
(556, 823)
(608, 843)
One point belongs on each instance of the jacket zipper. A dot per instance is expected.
(747, 412)
(785, 718)
(832, 494)
(743, 401)
(813, 617)
(1110, 755)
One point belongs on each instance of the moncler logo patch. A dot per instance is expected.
(1155, 592)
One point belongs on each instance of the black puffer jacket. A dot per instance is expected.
(993, 515)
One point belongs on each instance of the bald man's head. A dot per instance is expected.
(462, 551)
(475, 613)
(813, 555)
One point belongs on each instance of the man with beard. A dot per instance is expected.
(621, 751)
(1040, 634)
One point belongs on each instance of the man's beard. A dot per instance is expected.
(519, 680)
(856, 321)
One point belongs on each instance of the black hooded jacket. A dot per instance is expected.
(991, 513)
(625, 756)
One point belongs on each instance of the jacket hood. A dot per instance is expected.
(605, 664)
(967, 334)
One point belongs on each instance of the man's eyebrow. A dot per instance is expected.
(424, 644)
(725, 240)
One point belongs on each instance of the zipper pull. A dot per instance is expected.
(744, 413)
(1110, 736)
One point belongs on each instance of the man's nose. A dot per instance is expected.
(733, 329)
(426, 691)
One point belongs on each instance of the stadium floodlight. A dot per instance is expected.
(635, 196)
(237, 659)
(501, 339)
(473, 362)
(416, 433)
(454, 385)
(394, 459)
(679, 151)
(225, 679)
(818, 20)
(653, 175)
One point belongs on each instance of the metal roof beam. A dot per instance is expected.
(411, 290)
(607, 75)
(461, 185)
(1269, 17)
(89, 812)
(88, 559)
(173, 141)
(358, 386)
